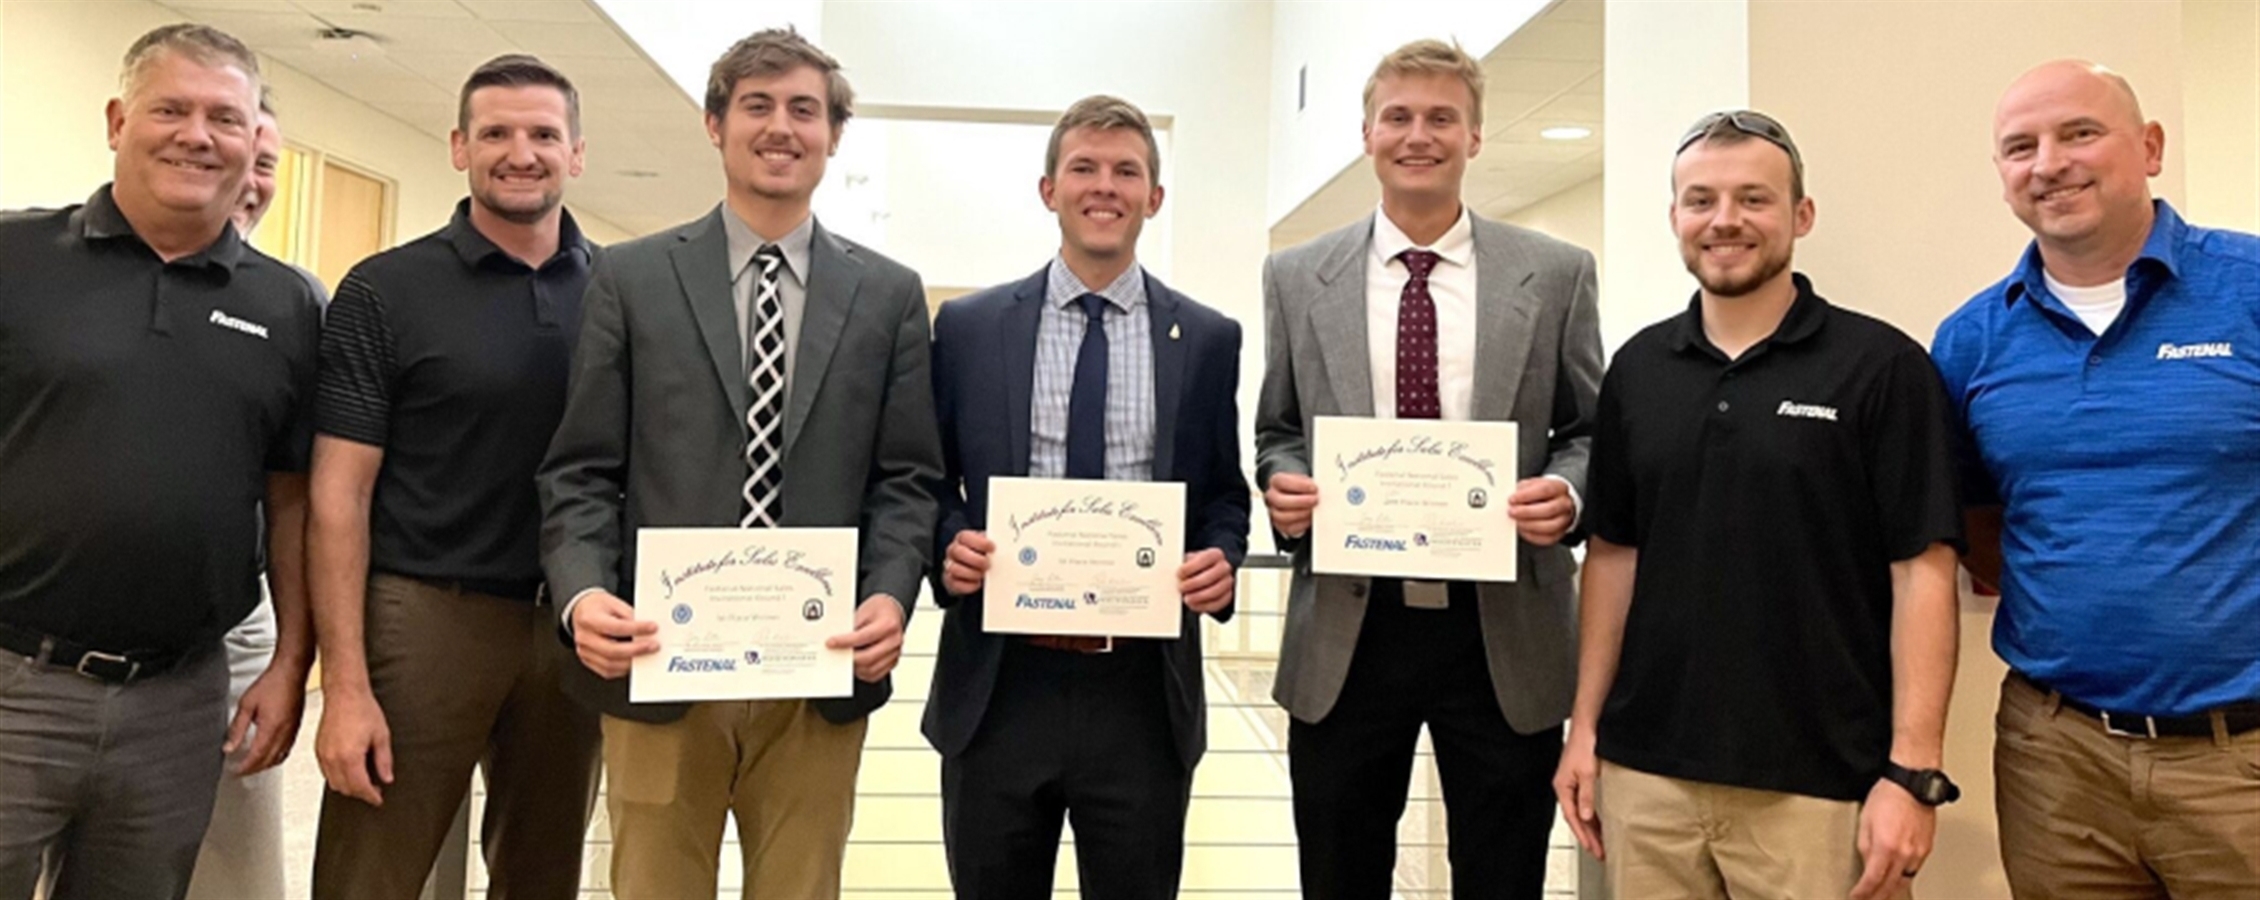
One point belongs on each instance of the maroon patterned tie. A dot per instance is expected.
(1416, 341)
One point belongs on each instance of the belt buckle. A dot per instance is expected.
(132, 668)
(2149, 732)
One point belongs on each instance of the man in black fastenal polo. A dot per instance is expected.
(1767, 639)
(443, 375)
(156, 382)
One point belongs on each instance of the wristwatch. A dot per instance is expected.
(1931, 787)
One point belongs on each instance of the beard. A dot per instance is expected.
(518, 208)
(1726, 284)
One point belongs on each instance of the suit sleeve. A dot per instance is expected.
(949, 493)
(1223, 517)
(906, 465)
(583, 478)
(1577, 387)
(1281, 445)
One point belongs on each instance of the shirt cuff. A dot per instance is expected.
(1577, 503)
(565, 615)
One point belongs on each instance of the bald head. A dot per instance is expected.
(2105, 92)
(2075, 158)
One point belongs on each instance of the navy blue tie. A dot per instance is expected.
(1086, 402)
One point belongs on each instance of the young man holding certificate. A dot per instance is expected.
(1043, 705)
(747, 369)
(1425, 312)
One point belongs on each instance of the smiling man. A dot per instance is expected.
(443, 374)
(1090, 368)
(747, 369)
(1763, 730)
(1424, 310)
(2110, 391)
(158, 382)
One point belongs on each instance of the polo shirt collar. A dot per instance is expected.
(744, 242)
(1805, 317)
(101, 219)
(2163, 247)
(1456, 246)
(474, 247)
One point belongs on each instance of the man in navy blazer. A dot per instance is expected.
(1036, 729)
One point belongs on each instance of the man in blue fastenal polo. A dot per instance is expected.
(2110, 387)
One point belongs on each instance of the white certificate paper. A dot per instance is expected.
(1413, 498)
(1085, 557)
(743, 613)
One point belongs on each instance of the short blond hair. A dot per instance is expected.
(1429, 56)
(1102, 112)
(203, 44)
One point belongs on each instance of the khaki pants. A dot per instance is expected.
(785, 773)
(1669, 838)
(2085, 813)
(465, 680)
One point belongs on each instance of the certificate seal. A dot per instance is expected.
(681, 614)
(1027, 556)
(1357, 496)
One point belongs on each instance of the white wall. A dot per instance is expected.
(1340, 41)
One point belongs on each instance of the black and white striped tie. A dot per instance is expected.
(765, 418)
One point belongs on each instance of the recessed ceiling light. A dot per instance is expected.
(1566, 133)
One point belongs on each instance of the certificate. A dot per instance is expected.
(1085, 557)
(1413, 498)
(743, 613)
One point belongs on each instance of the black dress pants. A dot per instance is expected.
(1351, 771)
(1079, 737)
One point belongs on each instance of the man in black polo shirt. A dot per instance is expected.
(443, 375)
(1767, 641)
(156, 377)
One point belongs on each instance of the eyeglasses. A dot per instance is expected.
(1751, 122)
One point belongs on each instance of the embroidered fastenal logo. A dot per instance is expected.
(1797, 410)
(2195, 351)
(259, 331)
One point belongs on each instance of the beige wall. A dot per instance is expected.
(1891, 102)
(59, 65)
(1572, 214)
(2221, 107)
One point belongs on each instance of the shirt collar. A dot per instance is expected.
(474, 247)
(101, 219)
(744, 242)
(1127, 292)
(1456, 246)
(2162, 247)
(1805, 317)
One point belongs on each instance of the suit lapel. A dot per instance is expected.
(1504, 311)
(1339, 319)
(833, 275)
(1169, 374)
(702, 265)
(1019, 362)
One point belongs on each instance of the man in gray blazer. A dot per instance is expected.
(749, 368)
(1426, 311)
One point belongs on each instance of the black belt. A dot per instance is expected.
(113, 668)
(2237, 717)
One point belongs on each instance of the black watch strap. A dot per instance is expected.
(1930, 787)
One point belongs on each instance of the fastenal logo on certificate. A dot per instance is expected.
(1411, 498)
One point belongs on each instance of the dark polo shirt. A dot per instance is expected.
(142, 404)
(1768, 496)
(452, 356)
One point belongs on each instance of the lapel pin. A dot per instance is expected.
(1173, 332)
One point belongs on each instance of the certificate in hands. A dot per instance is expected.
(1413, 498)
(743, 613)
(1085, 557)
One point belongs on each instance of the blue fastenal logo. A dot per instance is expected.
(1357, 496)
(681, 614)
(1027, 556)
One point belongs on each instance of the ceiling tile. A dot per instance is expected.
(547, 39)
(208, 6)
(427, 35)
(531, 10)
(379, 9)
(441, 68)
(287, 27)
